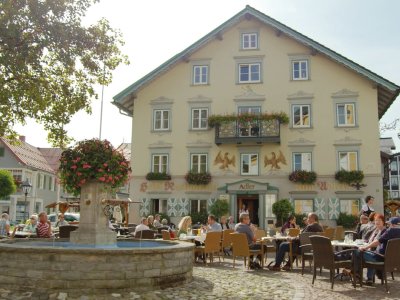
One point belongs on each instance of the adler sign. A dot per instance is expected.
(247, 186)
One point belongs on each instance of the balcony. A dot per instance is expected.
(254, 132)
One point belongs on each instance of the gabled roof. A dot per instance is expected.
(52, 156)
(28, 155)
(387, 91)
(125, 149)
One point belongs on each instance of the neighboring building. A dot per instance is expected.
(125, 148)
(39, 167)
(387, 145)
(254, 64)
(394, 176)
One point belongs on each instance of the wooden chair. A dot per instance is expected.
(240, 247)
(65, 231)
(226, 241)
(390, 264)
(212, 245)
(324, 257)
(260, 233)
(165, 235)
(339, 233)
(145, 234)
(329, 233)
(294, 232)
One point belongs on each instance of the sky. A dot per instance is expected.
(365, 31)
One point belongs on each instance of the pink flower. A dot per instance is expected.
(105, 165)
(102, 178)
(86, 166)
(74, 167)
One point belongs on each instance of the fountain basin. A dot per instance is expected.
(47, 266)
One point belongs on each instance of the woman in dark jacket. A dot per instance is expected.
(290, 223)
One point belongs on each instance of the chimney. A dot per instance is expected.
(22, 138)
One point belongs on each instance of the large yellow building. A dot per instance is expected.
(256, 68)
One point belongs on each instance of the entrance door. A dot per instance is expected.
(252, 204)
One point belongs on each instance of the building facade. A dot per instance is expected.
(252, 65)
(394, 177)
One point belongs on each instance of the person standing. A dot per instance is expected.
(367, 208)
(4, 225)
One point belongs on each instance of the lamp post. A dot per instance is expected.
(26, 188)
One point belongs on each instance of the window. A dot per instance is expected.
(199, 118)
(394, 183)
(303, 206)
(350, 206)
(161, 119)
(302, 161)
(198, 206)
(250, 40)
(200, 74)
(160, 163)
(249, 129)
(301, 116)
(249, 73)
(348, 161)
(345, 114)
(1, 151)
(300, 70)
(198, 163)
(393, 167)
(159, 206)
(249, 164)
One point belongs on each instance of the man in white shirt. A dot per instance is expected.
(143, 225)
(213, 225)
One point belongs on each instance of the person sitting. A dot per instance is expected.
(61, 221)
(231, 223)
(157, 222)
(31, 227)
(361, 226)
(213, 225)
(290, 223)
(184, 225)
(313, 226)
(142, 226)
(223, 223)
(4, 225)
(150, 221)
(244, 227)
(379, 229)
(43, 228)
(369, 228)
(393, 232)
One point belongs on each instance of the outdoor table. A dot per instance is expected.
(24, 234)
(280, 239)
(192, 238)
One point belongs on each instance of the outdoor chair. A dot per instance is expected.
(324, 257)
(165, 235)
(329, 233)
(390, 264)
(339, 233)
(240, 247)
(306, 251)
(65, 231)
(145, 234)
(226, 242)
(260, 233)
(212, 245)
(294, 232)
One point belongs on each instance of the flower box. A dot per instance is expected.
(203, 178)
(349, 177)
(158, 176)
(302, 176)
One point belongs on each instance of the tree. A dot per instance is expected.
(50, 63)
(7, 184)
(282, 209)
(219, 208)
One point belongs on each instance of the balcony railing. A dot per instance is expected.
(255, 132)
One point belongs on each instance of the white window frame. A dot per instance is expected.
(251, 172)
(162, 203)
(249, 65)
(162, 119)
(199, 164)
(198, 205)
(354, 209)
(200, 119)
(160, 164)
(301, 106)
(346, 124)
(301, 76)
(304, 158)
(302, 210)
(203, 70)
(348, 160)
(249, 35)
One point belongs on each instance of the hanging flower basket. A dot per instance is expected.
(90, 161)
(349, 177)
(158, 176)
(214, 120)
(203, 178)
(302, 176)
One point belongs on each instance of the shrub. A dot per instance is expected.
(349, 176)
(347, 221)
(7, 184)
(202, 178)
(158, 176)
(199, 217)
(282, 209)
(302, 176)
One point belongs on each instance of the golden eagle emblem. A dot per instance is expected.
(275, 161)
(224, 161)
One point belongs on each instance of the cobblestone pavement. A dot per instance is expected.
(221, 281)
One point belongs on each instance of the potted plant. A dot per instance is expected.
(282, 209)
(93, 161)
(302, 176)
(202, 178)
(219, 208)
(349, 177)
(158, 176)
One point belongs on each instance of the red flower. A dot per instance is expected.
(86, 166)
(74, 167)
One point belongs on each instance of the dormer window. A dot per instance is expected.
(249, 40)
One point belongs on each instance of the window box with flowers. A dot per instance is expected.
(202, 178)
(302, 176)
(349, 177)
(158, 176)
(247, 118)
(93, 161)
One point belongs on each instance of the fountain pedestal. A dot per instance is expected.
(93, 225)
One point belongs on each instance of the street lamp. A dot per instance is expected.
(26, 188)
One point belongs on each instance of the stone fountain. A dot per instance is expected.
(93, 261)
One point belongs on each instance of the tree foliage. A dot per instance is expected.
(7, 184)
(219, 208)
(50, 63)
(282, 209)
